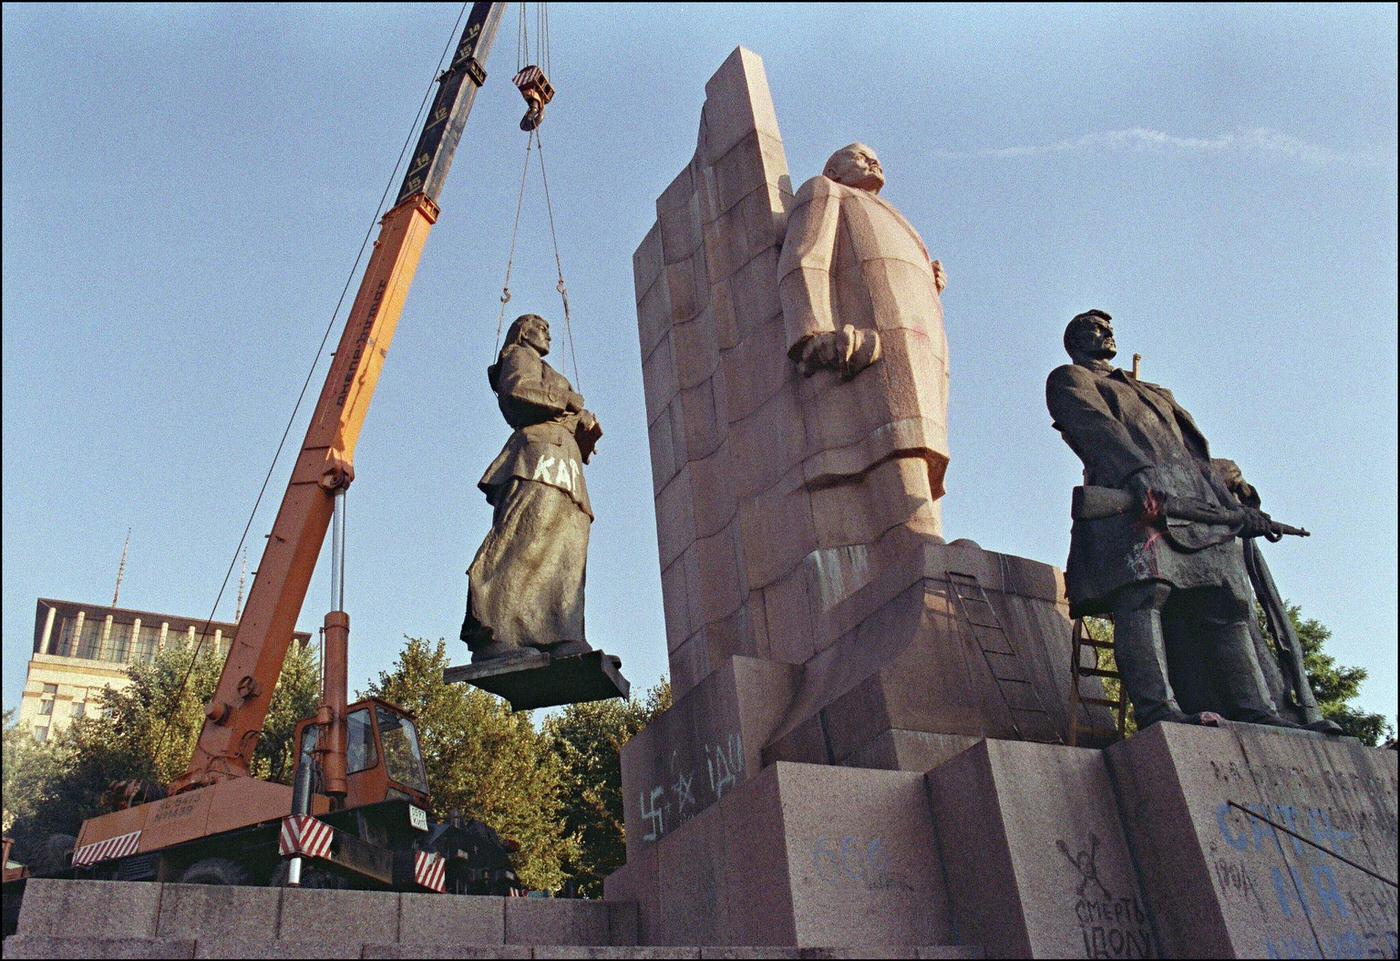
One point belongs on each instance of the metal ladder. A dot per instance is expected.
(1029, 719)
(1077, 670)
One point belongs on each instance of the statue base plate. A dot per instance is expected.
(531, 678)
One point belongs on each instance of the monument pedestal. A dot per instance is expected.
(1223, 882)
(1038, 850)
(532, 678)
(799, 854)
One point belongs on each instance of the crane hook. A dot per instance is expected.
(535, 87)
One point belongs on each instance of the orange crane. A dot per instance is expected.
(364, 822)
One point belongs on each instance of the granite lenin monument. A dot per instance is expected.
(868, 741)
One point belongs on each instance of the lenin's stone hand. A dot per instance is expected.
(847, 351)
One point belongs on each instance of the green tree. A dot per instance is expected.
(27, 768)
(1334, 685)
(485, 761)
(587, 739)
(147, 731)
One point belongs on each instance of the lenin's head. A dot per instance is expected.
(856, 165)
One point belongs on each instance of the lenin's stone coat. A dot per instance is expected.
(849, 257)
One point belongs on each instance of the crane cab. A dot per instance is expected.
(383, 760)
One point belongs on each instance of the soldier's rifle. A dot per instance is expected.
(1096, 503)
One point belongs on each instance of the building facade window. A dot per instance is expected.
(66, 644)
(89, 645)
(46, 707)
(79, 709)
(41, 734)
(118, 646)
(147, 641)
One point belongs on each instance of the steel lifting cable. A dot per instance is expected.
(558, 265)
(514, 232)
(389, 186)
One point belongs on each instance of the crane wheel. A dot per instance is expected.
(216, 871)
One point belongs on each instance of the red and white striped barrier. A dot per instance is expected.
(117, 847)
(305, 836)
(430, 871)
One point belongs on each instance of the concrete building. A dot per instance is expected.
(79, 649)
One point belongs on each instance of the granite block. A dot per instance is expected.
(659, 378)
(456, 919)
(647, 262)
(310, 914)
(585, 951)
(637, 883)
(691, 874)
(663, 452)
(220, 947)
(119, 909)
(737, 102)
(449, 950)
(1035, 854)
(862, 863)
(46, 946)
(675, 518)
(556, 921)
(900, 750)
(654, 316)
(1223, 881)
(235, 912)
(705, 744)
(757, 884)
(622, 923)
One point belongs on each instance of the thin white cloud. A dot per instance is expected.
(1261, 140)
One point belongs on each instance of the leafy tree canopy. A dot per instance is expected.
(484, 760)
(588, 739)
(1335, 685)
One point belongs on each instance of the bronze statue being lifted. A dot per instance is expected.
(526, 582)
(1157, 542)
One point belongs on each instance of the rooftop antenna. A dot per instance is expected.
(242, 578)
(121, 569)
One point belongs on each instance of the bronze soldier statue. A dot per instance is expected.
(1173, 577)
(526, 583)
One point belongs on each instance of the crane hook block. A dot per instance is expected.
(535, 87)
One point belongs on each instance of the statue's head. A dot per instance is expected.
(855, 165)
(530, 330)
(1089, 336)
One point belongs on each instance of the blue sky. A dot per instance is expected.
(185, 188)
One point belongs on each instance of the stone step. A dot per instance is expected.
(34, 946)
(189, 912)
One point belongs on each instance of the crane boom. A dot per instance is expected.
(234, 716)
